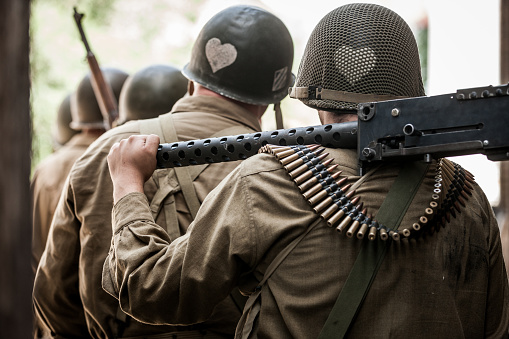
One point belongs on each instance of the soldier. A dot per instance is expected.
(306, 252)
(240, 63)
(151, 92)
(62, 132)
(81, 111)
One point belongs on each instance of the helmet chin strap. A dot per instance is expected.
(319, 93)
(279, 115)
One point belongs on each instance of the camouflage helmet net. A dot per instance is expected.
(358, 53)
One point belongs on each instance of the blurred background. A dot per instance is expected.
(458, 40)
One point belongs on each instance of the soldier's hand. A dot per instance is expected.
(131, 162)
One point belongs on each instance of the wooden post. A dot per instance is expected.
(504, 165)
(15, 217)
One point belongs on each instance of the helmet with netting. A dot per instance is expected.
(151, 92)
(244, 53)
(358, 53)
(62, 132)
(84, 106)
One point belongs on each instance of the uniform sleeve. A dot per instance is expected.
(163, 283)
(497, 305)
(40, 224)
(56, 288)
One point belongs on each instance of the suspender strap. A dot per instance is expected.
(182, 173)
(372, 253)
(253, 304)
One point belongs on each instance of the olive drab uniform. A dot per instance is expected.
(46, 186)
(67, 292)
(446, 282)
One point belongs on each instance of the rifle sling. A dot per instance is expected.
(372, 253)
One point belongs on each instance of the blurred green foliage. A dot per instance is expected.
(127, 34)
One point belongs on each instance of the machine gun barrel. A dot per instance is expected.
(242, 146)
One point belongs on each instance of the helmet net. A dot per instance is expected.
(361, 48)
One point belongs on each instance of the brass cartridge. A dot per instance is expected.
(338, 201)
(348, 218)
(339, 214)
(364, 227)
(394, 235)
(308, 174)
(301, 169)
(356, 223)
(372, 233)
(304, 160)
(406, 232)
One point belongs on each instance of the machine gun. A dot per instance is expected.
(470, 121)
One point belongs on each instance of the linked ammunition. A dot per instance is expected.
(323, 184)
(316, 171)
(356, 223)
(342, 211)
(406, 232)
(320, 176)
(364, 227)
(394, 235)
(309, 165)
(383, 233)
(372, 233)
(348, 218)
(462, 202)
(336, 198)
(428, 211)
(328, 190)
(276, 149)
(304, 154)
(307, 160)
(336, 202)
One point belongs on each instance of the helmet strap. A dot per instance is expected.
(279, 115)
(319, 93)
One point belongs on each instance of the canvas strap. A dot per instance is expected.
(372, 253)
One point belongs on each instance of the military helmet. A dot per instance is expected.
(151, 92)
(244, 53)
(358, 53)
(84, 106)
(62, 132)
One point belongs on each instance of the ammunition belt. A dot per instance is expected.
(336, 202)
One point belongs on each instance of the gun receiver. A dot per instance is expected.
(469, 121)
(102, 90)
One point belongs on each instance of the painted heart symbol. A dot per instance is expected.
(220, 55)
(355, 63)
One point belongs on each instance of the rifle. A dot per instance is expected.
(469, 121)
(102, 90)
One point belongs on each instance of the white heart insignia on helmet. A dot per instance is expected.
(220, 55)
(355, 63)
